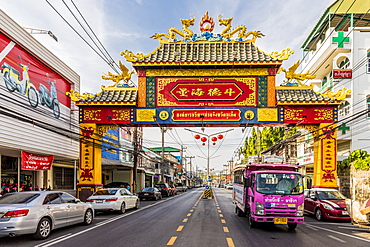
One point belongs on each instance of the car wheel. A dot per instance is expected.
(88, 218)
(137, 204)
(43, 229)
(292, 226)
(318, 214)
(123, 208)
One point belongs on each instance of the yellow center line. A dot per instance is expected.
(172, 241)
(223, 221)
(221, 215)
(192, 210)
(226, 229)
(189, 214)
(230, 242)
(219, 211)
(185, 220)
(180, 228)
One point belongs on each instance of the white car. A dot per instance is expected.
(39, 212)
(229, 186)
(113, 199)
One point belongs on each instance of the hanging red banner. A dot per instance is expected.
(206, 115)
(309, 114)
(36, 162)
(207, 91)
(104, 114)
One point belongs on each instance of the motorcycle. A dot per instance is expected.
(50, 98)
(14, 82)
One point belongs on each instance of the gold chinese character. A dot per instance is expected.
(197, 92)
(214, 92)
(229, 91)
(183, 92)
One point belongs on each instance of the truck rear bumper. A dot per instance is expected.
(270, 219)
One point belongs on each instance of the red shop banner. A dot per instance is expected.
(105, 114)
(35, 162)
(309, 114)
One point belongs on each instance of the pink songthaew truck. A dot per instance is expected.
(269, 193)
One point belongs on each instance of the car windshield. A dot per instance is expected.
(18, 198)
(105, 192)
(148, 189)
(279, 183)
(160, 186)
(330, 195)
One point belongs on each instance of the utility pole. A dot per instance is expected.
(191, 167)
(163, 130)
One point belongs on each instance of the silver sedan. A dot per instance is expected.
(39, 212)
(113, 199)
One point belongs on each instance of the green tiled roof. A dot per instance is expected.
(207, 52)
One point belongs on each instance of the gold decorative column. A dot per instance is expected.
(325, 160)
(90, 169)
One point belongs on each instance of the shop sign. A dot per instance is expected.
(36, 162)
(309, 170)
(206, 91)
(272, 159)
(306, 159)
(206, 115)
(342, 73)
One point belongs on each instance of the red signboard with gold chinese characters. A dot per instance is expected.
(309, 114)
(206, 91)
(206, 115)
(104, 115)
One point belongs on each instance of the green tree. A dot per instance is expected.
(360, 159)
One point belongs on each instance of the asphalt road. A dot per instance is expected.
(189, 220)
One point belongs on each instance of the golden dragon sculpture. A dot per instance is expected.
(125, 76)
(227, 34)
(290, 74)
(172, 32)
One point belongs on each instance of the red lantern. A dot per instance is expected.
(220, 137)
(197, 137)
(214, 143)
(203, 144)
(203, 139)
(214, 139)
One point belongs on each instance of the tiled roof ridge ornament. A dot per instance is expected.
(173, 31)
(76, 96)
(123, 78)
(339, 95)
(290, 75)
(206, 27)
(283, 55)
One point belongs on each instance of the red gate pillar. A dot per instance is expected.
(325, 158)
(90, 169)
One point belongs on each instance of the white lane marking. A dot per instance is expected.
(312, 228)
(340, 233)
(335, 238)
(67, 236)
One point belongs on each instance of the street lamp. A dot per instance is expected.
(204, 139)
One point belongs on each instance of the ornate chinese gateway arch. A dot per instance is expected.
(207, 79)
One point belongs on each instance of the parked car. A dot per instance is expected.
(165, 189)
(118, 185)
(150, 193)
(229, 186)
(181, 187)
(174, 190)
(113, 199)
(39, 212)
(326, 204)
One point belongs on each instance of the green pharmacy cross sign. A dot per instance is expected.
(343, 128)
(340, 39)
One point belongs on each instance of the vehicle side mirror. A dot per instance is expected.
(77, 200)
(309, 183)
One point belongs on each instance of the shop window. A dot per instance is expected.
(343, 63)
(63, 178)
(368, 106)
(368, 62)
(344, 108)
(9, 163)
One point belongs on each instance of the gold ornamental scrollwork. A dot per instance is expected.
(267, 114)
(76, 96)
(206, 72)
(102, 129)
(339, 95)
(312, 128)
(325, 114)
(283, 55)
(145, 115)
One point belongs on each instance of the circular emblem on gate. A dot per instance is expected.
(163, 115)
(249, 115)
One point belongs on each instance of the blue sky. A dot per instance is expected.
(125, 24)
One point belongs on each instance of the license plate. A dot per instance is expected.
(98, 201)
(345, 213)
(146, 194)
(278, 221)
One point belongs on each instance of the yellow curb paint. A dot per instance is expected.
(221, 215)
(230, 242)
(179, 229)
(223, 221)
(185, 220)
(188, 214)
(226, 229)
(172, 241)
